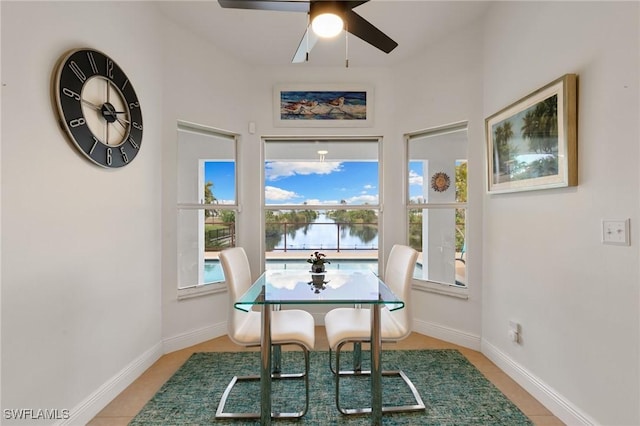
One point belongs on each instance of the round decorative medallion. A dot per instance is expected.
(440, 182)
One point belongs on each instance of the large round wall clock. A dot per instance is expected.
(98, 107)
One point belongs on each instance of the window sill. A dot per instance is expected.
(441, 288)
(201, 290)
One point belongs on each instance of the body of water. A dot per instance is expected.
(323, 234)
(213, 269)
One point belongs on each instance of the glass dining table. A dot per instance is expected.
(277, 288)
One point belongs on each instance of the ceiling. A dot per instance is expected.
(271, 38)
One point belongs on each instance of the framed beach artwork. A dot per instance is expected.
(532, 143)
(323, 106)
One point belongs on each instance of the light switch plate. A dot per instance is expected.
(615, 232)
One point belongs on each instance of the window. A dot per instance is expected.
(207, 204)
(437, 203)
(322, 195)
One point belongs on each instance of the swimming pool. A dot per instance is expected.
(213, 270)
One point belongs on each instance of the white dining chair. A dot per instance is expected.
(353, 325)
(288, 327)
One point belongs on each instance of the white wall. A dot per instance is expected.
(444, 86)
(204, 85)
(80, 244)
(545, 267)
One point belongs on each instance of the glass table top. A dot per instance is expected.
(289, 287)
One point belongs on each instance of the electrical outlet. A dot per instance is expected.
(514, 331)
(615, 232)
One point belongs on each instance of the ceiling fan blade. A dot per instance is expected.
(353, 3)
(309, 40)
(360, 27)
(278, 5)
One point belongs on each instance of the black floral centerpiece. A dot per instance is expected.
(317, 261)
(317, 283)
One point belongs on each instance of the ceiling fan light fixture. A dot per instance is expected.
(327, 25)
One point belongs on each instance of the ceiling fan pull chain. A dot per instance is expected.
(308, 34)
(346, 46)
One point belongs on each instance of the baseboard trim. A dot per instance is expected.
(193, 337)
(94, 403)
(555, 402)
(448, 334)
(90, 406)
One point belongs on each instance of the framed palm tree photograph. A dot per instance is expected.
(532, 143)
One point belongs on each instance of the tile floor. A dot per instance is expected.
(126, 405)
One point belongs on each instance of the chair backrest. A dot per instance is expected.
(237, 274)
(398, 274)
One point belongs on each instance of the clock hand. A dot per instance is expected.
(113, 113)
(108, 89)
(108, 128)
(121, 134)
(109, 113)
(122, 122)
(92, 105)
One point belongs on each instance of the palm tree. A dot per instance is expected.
(541, 126)
(503, 152)
(461, 197)
(209, 198)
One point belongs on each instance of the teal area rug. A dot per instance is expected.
(454, 391)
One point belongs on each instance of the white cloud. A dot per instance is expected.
(280, 169)
(415, 179)
(367, 187)
(278, 194)
(315, 201)
(363, 199)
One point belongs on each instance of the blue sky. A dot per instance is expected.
(222, 174)
(315, 182)
(415, 180)
(321, 182)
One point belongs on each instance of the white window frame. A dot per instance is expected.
(293, 139)
(448, 289)
(200, 289)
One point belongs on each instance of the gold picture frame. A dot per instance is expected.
(532, 144)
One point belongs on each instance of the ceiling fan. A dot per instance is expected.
(341, 12)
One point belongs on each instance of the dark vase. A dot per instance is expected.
(317, 283)
(317, 280)
(317, 268)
